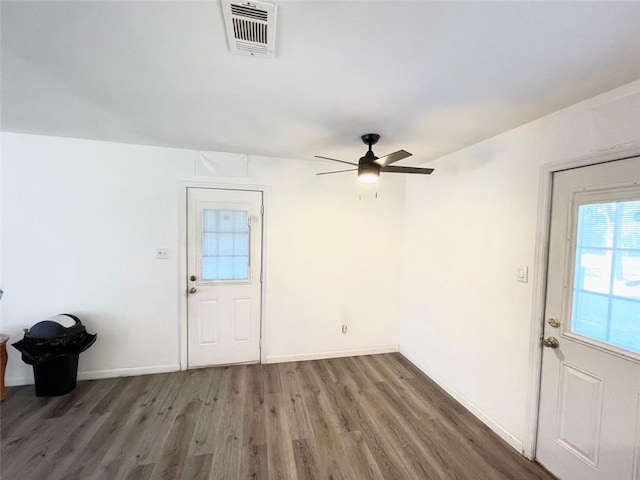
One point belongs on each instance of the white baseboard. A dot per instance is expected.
(466, 403)
(17, 381)
(127, 372)
(98, 374)
(299, 357)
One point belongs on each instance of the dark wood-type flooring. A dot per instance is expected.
(359, 418)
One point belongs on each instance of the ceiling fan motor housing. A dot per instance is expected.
(369, 157)
(368, 168)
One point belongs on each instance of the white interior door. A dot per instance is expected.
(589, 419)
(224, 263)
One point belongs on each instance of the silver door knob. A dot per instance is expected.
(551, 342)
(192, 290)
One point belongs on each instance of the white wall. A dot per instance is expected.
(81, 221)
(465, 320)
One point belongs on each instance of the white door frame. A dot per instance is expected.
(540, 279)
(182, 254)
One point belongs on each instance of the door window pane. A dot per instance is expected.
(630, 220)
(593, 270)
(626, 282)
(225, 268)
(606, 290)
(590, 315)
(240, 267)
(596, 225)
(625, 324)
(225, 244)
(209, 267)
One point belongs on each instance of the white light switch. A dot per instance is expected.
(522, 274)
(162, 253)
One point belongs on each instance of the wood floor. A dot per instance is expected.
(373, 417)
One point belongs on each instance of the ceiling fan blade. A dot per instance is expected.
(425, 171)
(334, 160)
(339, 171)
(392, 158)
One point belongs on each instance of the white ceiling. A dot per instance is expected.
(431, 77)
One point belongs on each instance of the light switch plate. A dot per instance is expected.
(522, 273)
(162, 253)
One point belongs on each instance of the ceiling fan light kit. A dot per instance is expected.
(368, 173)
(369, 166)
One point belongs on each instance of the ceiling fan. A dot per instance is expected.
(370, 166)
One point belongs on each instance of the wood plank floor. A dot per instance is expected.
(371, 417)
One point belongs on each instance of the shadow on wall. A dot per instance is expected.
(467, 163)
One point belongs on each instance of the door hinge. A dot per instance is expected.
(261, 277)
(261, 209)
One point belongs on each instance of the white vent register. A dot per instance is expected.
(251, 27)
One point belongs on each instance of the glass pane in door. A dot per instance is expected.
(606, 289)
(225, 244)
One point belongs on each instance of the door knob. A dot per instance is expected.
(551, 342)
(192, 290)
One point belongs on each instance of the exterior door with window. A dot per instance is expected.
(224, 262)
(589, 419)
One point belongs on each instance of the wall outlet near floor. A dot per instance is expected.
(162, 253)
(344, 329)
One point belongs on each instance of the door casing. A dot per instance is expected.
(182, 255)
(543, 224)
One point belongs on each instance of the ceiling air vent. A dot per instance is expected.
(251, 27)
